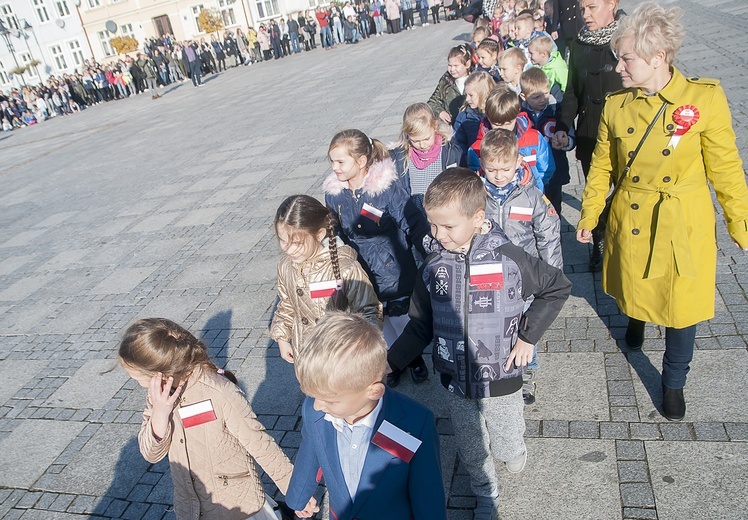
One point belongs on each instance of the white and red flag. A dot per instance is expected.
(371, 212)
(395, 441)
(520, 213)
(197, 414)
(323, 289)
(486, 274)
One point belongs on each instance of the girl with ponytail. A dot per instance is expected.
(316, 273)
(197, 416)
(380, 221)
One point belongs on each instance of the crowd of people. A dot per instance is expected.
(451, 238)
(164, 61)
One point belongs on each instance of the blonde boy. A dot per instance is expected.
(549, 61)
(475, 271)
(378, 450)
(511, 64)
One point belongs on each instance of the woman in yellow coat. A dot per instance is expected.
(660, 251)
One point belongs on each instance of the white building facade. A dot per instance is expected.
(46, 31)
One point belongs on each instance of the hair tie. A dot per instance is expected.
(371, 142)
(220, 371)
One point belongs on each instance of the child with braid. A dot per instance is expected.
(197, 415)
(317, 273)
(380, 221)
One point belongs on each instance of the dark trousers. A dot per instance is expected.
(435, 13)
(554, 194)
(195, 73)
(676, 361)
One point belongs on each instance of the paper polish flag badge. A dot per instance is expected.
(323, 289)
(371, 212)
(395, 441)
(520, 213)
(486, 274)
(197, 414)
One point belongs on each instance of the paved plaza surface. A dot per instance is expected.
(164, 208)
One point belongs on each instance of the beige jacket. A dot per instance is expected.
(297, 311)
(213, 464)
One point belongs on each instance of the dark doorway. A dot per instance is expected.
(163, 25)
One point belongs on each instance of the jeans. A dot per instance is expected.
(337, 31)
(424, 15)
(379, 24)
(295, 42)
(195, 73)
(325, 36)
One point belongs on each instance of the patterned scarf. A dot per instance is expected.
(601, 36)
(501, 194)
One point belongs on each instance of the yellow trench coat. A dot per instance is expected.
(660, 250)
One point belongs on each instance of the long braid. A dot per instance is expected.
(332, 245)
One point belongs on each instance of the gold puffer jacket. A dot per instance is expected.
(213, 465)
(297, 311)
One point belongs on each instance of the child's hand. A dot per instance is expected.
(163, 402)
(560, 140)
(444, 116)
(286, 350)
(309, 510)
(520, 355)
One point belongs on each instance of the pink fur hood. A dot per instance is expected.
(380, 177)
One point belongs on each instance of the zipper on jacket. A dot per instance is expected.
(226, 478)
(466, 306)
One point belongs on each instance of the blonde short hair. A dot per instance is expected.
(502, 105)
(653, 29)
(532, 80)
(525, 19)
(418, 119)
(343, 353)
(459, 187)
(499, 144)
(541, 44)
(516, 56)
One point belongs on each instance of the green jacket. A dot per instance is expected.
(556, 70)
(446, 97)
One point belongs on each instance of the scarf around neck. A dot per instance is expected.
(501, 194)
(422, 160)
(601, 36)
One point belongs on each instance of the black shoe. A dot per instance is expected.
(418, 371)
(393, 378)
(635, 334)
(673, 403)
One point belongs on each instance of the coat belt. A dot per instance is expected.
(669, 233)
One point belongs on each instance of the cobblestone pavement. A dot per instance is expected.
(142, 208)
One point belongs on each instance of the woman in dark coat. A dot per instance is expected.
(592, 76)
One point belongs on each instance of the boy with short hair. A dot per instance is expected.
(526, 33)
(377, 450)
(543, 109)
(523, 212)
(511, 64)
(504, 110)
(549, 61)
(469, 299)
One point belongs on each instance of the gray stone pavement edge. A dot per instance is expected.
(141, 208)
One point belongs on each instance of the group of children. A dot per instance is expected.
(411, 248)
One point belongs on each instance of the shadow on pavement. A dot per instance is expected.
(648, 375)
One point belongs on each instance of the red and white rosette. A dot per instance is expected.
(685, 116)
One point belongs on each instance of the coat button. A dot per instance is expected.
(666, 179)
(635, 231)
(181, 441)
(666, 152)
(630, 130)
(635, 178)
(671, 126)
(300, 291)
(631, 154)
(635, 206)
(359, 226)
(304, 321)
(695, 78)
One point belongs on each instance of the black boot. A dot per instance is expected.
(673, 403)
(393, 378)
(635, 334)
(418, 370)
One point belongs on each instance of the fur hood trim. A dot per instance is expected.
(380, 177)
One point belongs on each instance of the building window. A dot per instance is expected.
(92, 4)
(25, 60)
(104, 37)
(4, 79)
(10, 20)
(267, 8)
(41, 11)
(59, 57)
(62, 8)
(126, 30)
(75, 51)
(314, 3)
(196, 10)
(227, 13)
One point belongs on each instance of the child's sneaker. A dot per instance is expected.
(529, 385)
(486, 508)
(517, 464)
